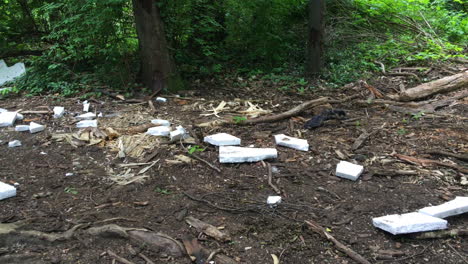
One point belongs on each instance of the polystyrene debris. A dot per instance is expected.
(7, 118)
(178, 134)
(3, 110)
(69, 174)
(87, 116)
(273, 200)
(6, 191)
(8, 74)
(457, 206)
(35, 127)
(19, 116)
(222, 139)
(230, 154)
(59, 111)
(161, 122)
(86, 123)
(409, 223)
(162, 131)
(349, 170)
(292, 142)
(21, 128)
(14, 144)
(86, 106)
(161, 99)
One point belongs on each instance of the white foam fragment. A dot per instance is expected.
(222, 139)
(230, 154)
(87, 116)
(349, 170)
(14, 144)
(273, 200)
(19, 116)
(59, 111)
(161, 122)
(35, 127)
(162, 131)
(21, 128)
(86, 123)
(86, 106)
(178, 134)
(8, 74)
(292, 142)
(3, 110)
(7, 118)
(161, 99)
(409, 223)
(457, 206)
(6, 191)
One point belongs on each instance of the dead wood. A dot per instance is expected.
(447, 84)
(376, 93)
(428, 162)
(463, 157)
(361, 139)
(207, 229)
(158, 242)
(270, 179)
(341, 247)
(441, 234)
(120, 259)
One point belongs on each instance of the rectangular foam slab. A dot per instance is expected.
(6, 191)
(457, 206)
(292, 142)
(230, 154)
(349, 170)
(409, 223)
(222, 139)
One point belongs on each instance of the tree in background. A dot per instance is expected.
(315, 37)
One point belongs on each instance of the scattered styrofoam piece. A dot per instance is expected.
(349, 170)
(21, 128)
(273, 200)
(35, 127)
(178, 134)
(69, 174)
(87, 116)
(409, 223)
(161, 122)
(6, 191)
(457, 206)
(10, 73)
(161, 99)
(14, 144)
(230, 154)
(162, 131)
(7, 118)
(86, 106)
(59, 111)
(3, 110)
(222, 139)
(86, 123)
(292, 142)
(19, 116)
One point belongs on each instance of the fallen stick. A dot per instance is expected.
(361, 139)
(208, 229)
(206, 162)
(441, 234)
(148, 261)
(341, 247)
(463, 157)
(118, 258)
(270, 179)
(428, 162)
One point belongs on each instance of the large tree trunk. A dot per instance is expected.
(157, 66)
(315, 38)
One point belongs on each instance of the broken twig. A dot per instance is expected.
(270, 179)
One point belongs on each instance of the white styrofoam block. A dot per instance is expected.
(178, 134)
(409, 223)
(86, 123)
(86, 106)
(3, 110)
(222, 139)
(87, 116)
(161, 99)
(6, 191)
(349, 170)
(14, 144)
(35, 127)
(59, 111)
(457, 206)
(273, 200)
(230, 154)
(10, 73)
(292, 142)
(161, 122)
(21, 128)
(162, 131)
(19, 116)
(7, 118)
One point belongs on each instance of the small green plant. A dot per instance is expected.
(404, 121)
(358, 123)
(402, 131)
(302, 82)
(162, 191)
(301, 90)
(194, 149)
(239, 119)
(71, 190)
(417, 115)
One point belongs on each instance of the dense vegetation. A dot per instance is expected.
(79, 45)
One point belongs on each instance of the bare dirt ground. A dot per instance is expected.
(102, 192)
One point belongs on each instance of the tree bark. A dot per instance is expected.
(157, 66)
(315, 38)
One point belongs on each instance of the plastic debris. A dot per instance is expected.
(349, 170)
(161, 99)
(222, 139)
(7, 118)
(8, 74)
(6, 191)
(292, 142)
(87, 116)
(59, 111)
(178, 134)
(162, 131)
(14, 144)
(317, 121)
(69, 174)
(86, 123)
(230, 154)
(35, 127)
(86, 106)
(409, 223)
(3, 110)
(19, 116)
(457, 206)
(273, 200)
(161, 122)
(21, 128)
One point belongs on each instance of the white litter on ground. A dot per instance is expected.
(273, 200)
(87, 116)
(6, 191)
(161, 122)
(161, 99)
(14, 144)
(19, 116)
(3, 110)
(21, 128)
(59, 111)
(409, 223)
(8, 74)
(349, 170)
(230, 154)
(292, 142)
(222, 139)
(86, 123)
(457, 206)
(162, 131)
(178, 134)
(35, 127)
(86, 106)
(7, 118)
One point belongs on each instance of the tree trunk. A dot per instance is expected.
(157, 66)
(315, 38)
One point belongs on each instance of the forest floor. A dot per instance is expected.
(103, 191)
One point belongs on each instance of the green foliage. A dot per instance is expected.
(194, 149)
(162, 191)
(239, 119)
(70, 190)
